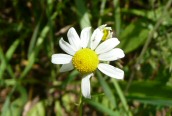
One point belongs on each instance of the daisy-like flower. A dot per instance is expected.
(87, 53)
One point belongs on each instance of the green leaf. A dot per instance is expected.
(117, 13)
(83, 13)
(6, 58)
(134, 35)
(150, 100)
(102, 108)
(150, 92)
(38, 109)
(122, 97)
(58, 109)
(12, 48)
(32, 57)
(33, 39)
(5, 109)
(17, 105)
(107, 89)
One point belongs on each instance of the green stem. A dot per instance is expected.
(80, 105)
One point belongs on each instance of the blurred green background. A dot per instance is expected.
(30, 85)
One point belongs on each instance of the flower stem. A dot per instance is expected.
(80, 105)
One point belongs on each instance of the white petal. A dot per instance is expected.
(74, 39)
(61, 59)
(113, 54)
(66, 67)
(107, 45)
(66, 47)
(85, 86)
(102, 26)
(96, 38)
(111, 71)
(85, 36)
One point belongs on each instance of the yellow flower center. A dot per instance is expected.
(85, 60)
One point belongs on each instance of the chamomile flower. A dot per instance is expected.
(88, 53)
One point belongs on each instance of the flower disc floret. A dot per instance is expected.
(85, 61)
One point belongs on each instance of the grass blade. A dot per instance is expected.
(5, 58)
(102, 108)
(34, 53)
(83, 13)
(117, 17)
(33, 39)
(106, 89)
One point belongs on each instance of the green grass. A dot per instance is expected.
(30, 32)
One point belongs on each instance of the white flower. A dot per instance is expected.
(86, 53)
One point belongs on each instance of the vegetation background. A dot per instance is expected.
(30, 85)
